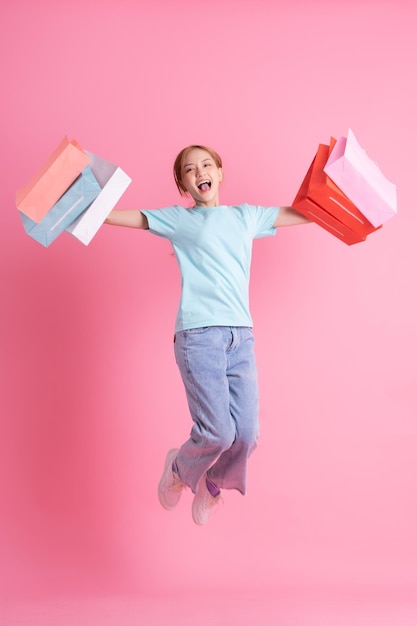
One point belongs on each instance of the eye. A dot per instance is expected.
(207, 164)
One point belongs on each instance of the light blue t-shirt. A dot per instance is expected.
(213, 247)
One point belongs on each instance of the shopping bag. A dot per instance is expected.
(351, 169)
(59, 171)
(114, 182)
(320, 200)
(74, 201)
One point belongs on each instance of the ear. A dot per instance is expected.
(220, 174)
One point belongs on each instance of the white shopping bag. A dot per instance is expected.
(114, 182)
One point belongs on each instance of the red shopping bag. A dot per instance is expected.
(324, 203)
(52, 180)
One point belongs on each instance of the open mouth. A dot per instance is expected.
(204, 186)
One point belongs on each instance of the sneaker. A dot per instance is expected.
(170, 486)
(203, 503)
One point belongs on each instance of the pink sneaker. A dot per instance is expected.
(204, 503)
(170, 486)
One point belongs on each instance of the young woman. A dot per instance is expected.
(214, 344)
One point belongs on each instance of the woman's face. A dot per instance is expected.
(201, 177)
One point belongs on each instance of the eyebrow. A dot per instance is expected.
(207, 159)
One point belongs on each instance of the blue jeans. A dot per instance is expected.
(218, 368)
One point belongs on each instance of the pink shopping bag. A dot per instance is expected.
(361, 180)
(58, 172)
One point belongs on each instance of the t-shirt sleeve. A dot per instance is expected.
(263, 220)
(163, 222)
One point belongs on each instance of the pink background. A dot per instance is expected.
(90, 395)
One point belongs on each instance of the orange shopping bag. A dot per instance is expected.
(323, 202)
(60, 170)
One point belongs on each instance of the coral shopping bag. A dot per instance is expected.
(60, 170)
(114, 182)
(351, 169)
(70, 205)
(320, 200)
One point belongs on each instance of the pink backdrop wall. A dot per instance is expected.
(90, 396)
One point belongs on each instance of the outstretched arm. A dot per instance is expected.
(131, 218)
(288, 216)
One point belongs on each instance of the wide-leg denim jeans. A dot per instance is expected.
(218, 368)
